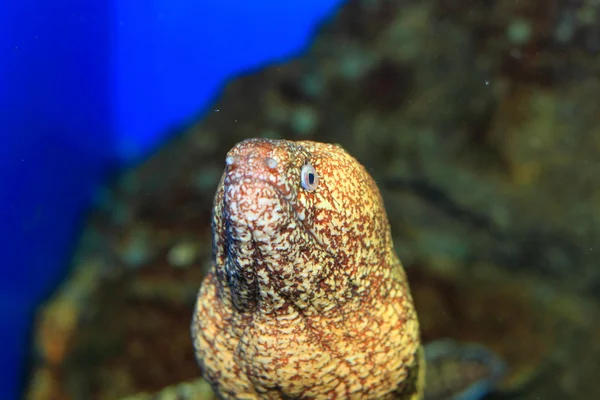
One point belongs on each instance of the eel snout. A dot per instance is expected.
(255, 210)
(256, 193)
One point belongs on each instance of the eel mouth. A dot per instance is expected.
(255, 214)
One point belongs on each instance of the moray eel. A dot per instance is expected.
(305, 297)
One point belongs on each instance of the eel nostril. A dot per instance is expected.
(230, 160)
(271, 162)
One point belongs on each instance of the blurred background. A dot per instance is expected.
(477, 118)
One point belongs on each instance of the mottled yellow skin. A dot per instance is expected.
(306, 297)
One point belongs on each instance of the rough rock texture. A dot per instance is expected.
(478, 121)
(306, 296)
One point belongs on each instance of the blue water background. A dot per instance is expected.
(87, 86)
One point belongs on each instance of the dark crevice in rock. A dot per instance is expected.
(536, 248)
(439, 199)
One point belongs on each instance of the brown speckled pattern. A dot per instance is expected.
(306, 297)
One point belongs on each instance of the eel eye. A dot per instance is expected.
(309, 178)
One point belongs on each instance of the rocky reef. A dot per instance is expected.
(478, 120)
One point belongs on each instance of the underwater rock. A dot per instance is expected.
(461, 370)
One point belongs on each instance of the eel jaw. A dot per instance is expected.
(255, 213)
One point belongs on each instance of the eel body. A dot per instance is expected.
(306, 297)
